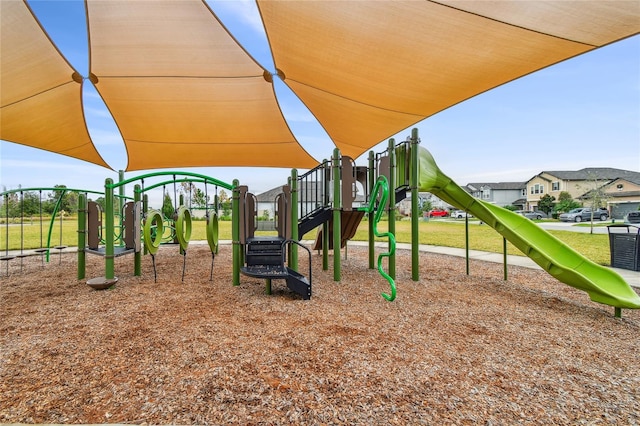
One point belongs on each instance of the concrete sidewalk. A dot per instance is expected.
(631, 277)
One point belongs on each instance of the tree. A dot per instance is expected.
(565, 203)
(546, 203)
(167, 206)
(595, 195)
(225, 203)
(69, 201)
(200, 199)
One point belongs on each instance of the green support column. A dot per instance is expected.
(137, 257)
(392, 203)
(235, 231)
(109, 232)
(145, 209)
(82, 234)
(370, 214)
(337, 227)
(293, 248)
(415, 211)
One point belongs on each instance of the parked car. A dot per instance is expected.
(460, 214)
(438, 213)
(583, 214)
(632, 217)
(529, 214)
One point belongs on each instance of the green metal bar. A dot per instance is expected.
(267, 287)
(235, 231)
(53, 220)
(293, 248)
(618, 312)
(415, 211)
(337, 238)
(392, 203)
(50, 189)
(137, 257)
(382, 186)
(504, 256)
(82, 234)
(372, 240)
(466, 241)
(172, 173)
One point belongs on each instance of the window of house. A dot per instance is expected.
(486, 194)
(537, 189)
(555, 186)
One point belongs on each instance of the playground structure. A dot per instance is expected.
(333, 198)
(142, 225)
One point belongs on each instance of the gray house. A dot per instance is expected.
(499, 193)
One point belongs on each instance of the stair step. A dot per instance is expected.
(298, 283)
(265, 271)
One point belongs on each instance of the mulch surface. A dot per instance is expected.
(451, 349)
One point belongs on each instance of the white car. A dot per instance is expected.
(460, 214)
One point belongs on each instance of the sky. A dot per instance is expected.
(583, 112)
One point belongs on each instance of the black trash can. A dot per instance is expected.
(624, 244)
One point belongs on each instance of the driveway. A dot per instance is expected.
(584, 227)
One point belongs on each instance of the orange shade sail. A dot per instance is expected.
(368, 69)
(184, 93)
(40, 101)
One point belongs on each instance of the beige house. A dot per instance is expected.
(623, 195)
(578, 183)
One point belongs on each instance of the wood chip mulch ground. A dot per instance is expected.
(451, 349)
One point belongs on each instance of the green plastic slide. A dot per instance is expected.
(602, 284)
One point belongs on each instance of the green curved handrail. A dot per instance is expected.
(382, 186)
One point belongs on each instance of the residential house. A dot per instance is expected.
(622, 195)
(499, 193)
(579, 182)
(404, 206)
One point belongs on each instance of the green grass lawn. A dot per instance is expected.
(439, 233)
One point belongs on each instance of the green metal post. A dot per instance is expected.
(466, 240)
(137, 257)
(109, 229)
(370, 214)
(504, 251)
(145, 209)
(235, 231)
(293, 248)
(82, 229)
(415, 210)
(337, 205)
(392, 203)
(618, 312)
